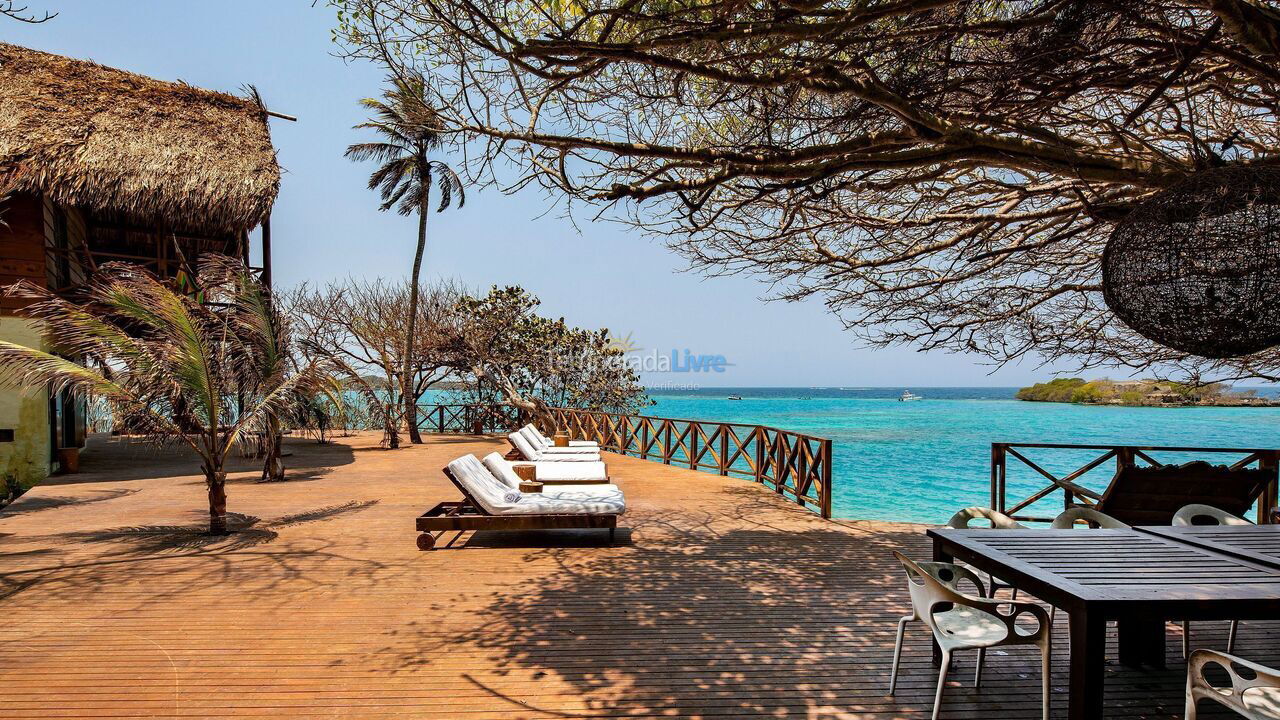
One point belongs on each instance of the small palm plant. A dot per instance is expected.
(202, 367)
(411, 130)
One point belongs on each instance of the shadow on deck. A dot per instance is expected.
(720, 601)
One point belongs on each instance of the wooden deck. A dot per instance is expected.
(719, 601)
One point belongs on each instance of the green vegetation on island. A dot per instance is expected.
(1138, 393)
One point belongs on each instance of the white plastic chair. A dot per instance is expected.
(1191, 515)
(963, 520)
(1205, 515)
(968, 622)
(1071, 516)
(1256, 698)
(999, 521)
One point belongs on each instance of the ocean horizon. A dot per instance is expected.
(922, 461)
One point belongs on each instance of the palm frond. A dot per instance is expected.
(411, 128)
(450, 185)
(404, 190)
(307, 381)
(388, 178)
(381, 152)
(74, 332)
(256, 345)
(25, 368)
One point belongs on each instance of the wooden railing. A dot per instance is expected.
(793, 465)
(460, 418)
(1073, 491)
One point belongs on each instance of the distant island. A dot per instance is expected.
(1135, 393)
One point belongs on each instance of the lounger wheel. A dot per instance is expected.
(426, 541)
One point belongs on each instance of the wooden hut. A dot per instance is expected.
(100, 165)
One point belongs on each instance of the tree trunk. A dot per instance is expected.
(273, 466)
(410, 396)
(391, 423)
(532, 405)
(217, 482)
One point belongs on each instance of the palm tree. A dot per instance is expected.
(411, 129)
(173, 365)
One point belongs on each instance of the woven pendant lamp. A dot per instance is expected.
(1196, 267)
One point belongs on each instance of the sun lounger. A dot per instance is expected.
(548, 473)
(545, 441)
(594, 486)
(539, 442)
(524, 449)
(488, 503)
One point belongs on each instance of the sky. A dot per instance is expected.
(326, 225)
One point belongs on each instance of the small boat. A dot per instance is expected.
(908, 396)
(735, 397)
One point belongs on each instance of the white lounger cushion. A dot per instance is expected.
(547, 472)
(521, 443)
(569, 451)
(549, 443)
(501, 469)
(538, 440)
(601, 499)
(535, 441)
(550, 471)
(546, 441)
(497, 499)
(491, 494)
(526, 448)
(584, 492)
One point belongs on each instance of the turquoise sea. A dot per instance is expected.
(921, 461)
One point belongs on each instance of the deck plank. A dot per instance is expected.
(720, 600)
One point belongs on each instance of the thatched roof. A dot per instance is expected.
(127, 145)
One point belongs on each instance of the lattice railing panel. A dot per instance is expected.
(1081, 472)
(461, 418)
(793, 465)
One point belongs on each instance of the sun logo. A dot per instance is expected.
(623, 345)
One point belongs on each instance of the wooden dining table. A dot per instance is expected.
(1259, 543)
(1138, 578)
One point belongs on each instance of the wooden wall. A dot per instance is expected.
(64, 236)
(22, 245)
